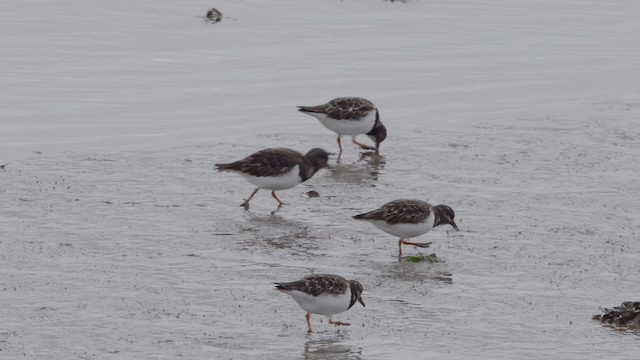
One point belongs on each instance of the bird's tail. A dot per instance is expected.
(365, 216)
(310, 109)
(282, 287)
(226, 167)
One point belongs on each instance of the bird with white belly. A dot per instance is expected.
(323, 294)
(277, 169)
(350, 116)
(407, 218)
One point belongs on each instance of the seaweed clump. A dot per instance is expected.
(625, 316)
(431, 258)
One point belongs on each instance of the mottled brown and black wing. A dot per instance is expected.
(399, 212)
(268, 162)
(345, 108)
(317, 284)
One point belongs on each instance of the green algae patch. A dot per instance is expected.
(432, 258)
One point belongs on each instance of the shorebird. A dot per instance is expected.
(409, 218)
(350, 116)
(277, 169)
(323, 294)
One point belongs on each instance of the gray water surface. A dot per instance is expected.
(118, 240)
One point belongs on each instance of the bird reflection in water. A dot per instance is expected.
(375, 162)
(405, 271)
(367, 169)
(330, 347)
(269, 232)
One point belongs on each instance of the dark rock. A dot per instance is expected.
(214, 15)
(625, 316)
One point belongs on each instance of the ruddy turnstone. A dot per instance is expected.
(409, 218)
(323, 294)
(277, 169)
(350, 116)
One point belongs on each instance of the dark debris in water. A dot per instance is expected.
(625, 316)
(214, 15)
(431, 258)
(313, 194)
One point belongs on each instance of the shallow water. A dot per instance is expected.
(119, 240)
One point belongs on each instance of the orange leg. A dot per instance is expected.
(362, 146)
(404, 242)
(308, 317)
(420, 245)
(280, 203)
(338, 323)
(246, 202)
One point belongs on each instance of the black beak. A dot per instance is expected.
(361, 302)
(452, 223)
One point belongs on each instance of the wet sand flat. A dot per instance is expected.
(148, 253)
(118, 239)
